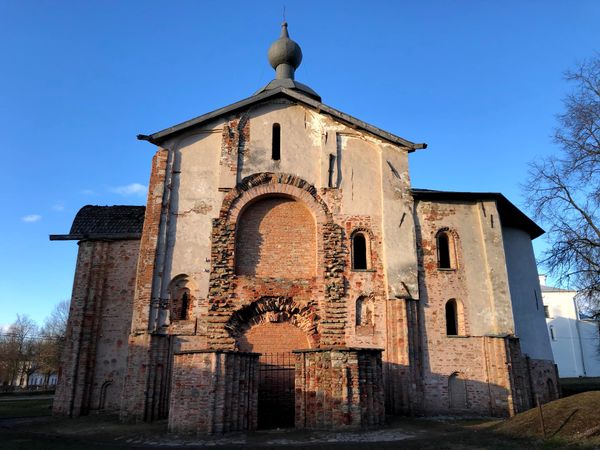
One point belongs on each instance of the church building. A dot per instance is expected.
(285, 273)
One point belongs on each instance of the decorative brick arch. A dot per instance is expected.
(268, 183)
(331, 249)
(274, 309)
(454, 248)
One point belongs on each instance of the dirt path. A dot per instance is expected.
(98, 432)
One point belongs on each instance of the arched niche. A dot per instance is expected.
(182, 298)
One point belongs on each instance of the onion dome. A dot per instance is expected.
(285, 55)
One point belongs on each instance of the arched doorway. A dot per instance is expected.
(275, 341)
(274, 327)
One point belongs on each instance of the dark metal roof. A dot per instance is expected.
(105, 222)
(510, 215)
(160, 136)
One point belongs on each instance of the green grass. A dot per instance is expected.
(25, 408)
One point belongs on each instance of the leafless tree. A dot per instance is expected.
(564, 189)
(52, 339)
(18, 351)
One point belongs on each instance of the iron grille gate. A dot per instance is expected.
(276, 383)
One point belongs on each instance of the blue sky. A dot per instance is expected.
(479, 81)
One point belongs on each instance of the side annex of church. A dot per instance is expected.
(285, 273)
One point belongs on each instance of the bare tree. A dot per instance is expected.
(18, 351)
(52, 340)
(564, 189)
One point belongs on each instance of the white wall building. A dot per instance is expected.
(39, 379)
(575, 340)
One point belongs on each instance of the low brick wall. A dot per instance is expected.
(213, 392)
(544, 380)
(339, 388)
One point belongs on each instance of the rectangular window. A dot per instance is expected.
(547, 311)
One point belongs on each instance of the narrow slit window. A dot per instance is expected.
(443, 248)
(359, 252)
(451, 318)
(183, 314)
(276, 145)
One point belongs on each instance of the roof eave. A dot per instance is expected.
(96, 237)
(160, 137)
(528, 225)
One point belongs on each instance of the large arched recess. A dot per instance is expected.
(278, 217)
(276, 237)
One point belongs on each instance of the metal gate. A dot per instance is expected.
(276, 401)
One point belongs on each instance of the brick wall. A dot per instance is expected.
(490, 365)
(213, 392)
(273, 337)
(544, 380)
(276, 237)
(339, 388)
(323, 293)
(94, 359)
(141, 359)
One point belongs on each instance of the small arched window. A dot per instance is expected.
(276, 143)
(359, 252)
(445, 249)
(451, 318)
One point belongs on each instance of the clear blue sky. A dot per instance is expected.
(479, 81)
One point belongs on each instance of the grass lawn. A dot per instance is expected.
(26, 407)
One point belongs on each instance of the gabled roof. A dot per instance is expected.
(510, 215)
(159, 137)
(119, 222)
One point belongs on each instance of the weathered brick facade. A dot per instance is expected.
(214, 392)
(93, 367)
(306, 254)
(339, 388)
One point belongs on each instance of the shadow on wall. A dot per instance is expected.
(214, 392)
(458, 395)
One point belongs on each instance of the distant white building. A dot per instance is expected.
(575, 340)
(39, 379)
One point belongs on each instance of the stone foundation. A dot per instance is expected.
(339, 388)
(213, 392)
